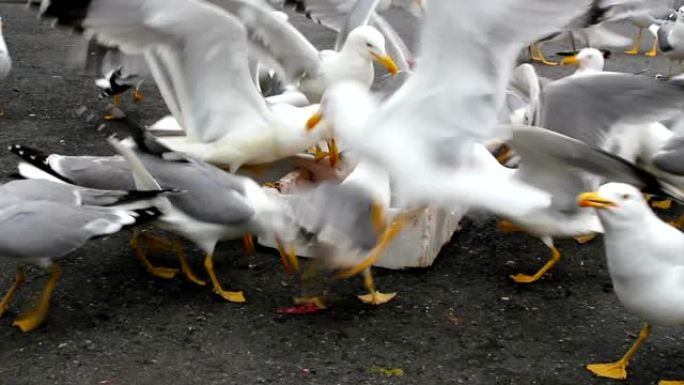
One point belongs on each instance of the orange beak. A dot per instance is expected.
(387, 61)
(570, 60)
(593, 199)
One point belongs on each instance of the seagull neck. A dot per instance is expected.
(620, 226)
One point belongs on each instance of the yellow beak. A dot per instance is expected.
(387, 61)
(570, 60)
(313, 121)
(593, 199)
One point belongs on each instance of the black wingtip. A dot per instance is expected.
(141, 195)
(597, 13)
(144, 140)
(37, 159)
(145, 215)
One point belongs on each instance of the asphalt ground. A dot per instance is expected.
(462, 321)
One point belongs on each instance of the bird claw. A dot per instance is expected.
(614, 370)
(30, 319)
(524, 278)
(163, 272)
(377, 298)
(584, 239)
(231, 296)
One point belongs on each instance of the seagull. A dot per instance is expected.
(215, 205)
(439, 163)
(587, 23)
(596, 108)
(604, 113)
(121, 72)
(343, 15)
(587, 60)
(564, 167)
(60, 192)
(273, 40)
(40, 231)
(227, 122)
(644, 256)
(350, 224)
(653, 12)
(670, 38)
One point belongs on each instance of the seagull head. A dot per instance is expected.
(680, 14)
(588, 59)
(617, 201)
(370, 43)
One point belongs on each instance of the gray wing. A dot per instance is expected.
(549, 158)
(336, 214)
(207, 96)
(329, 13)
(332, 13)
(587, 107)
(209, 194)
(42, 229)
(97, 172)
(345, 15)
(360, 14)
(481, 75)
(208, 197)
(273, 39)
(45, 190)
(670, 158)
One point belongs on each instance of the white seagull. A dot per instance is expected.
(645, 260)
(428, 135)
(204, 77)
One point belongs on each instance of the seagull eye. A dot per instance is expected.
(369, 45)
(625, 196)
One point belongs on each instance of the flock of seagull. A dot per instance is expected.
(248, 93)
